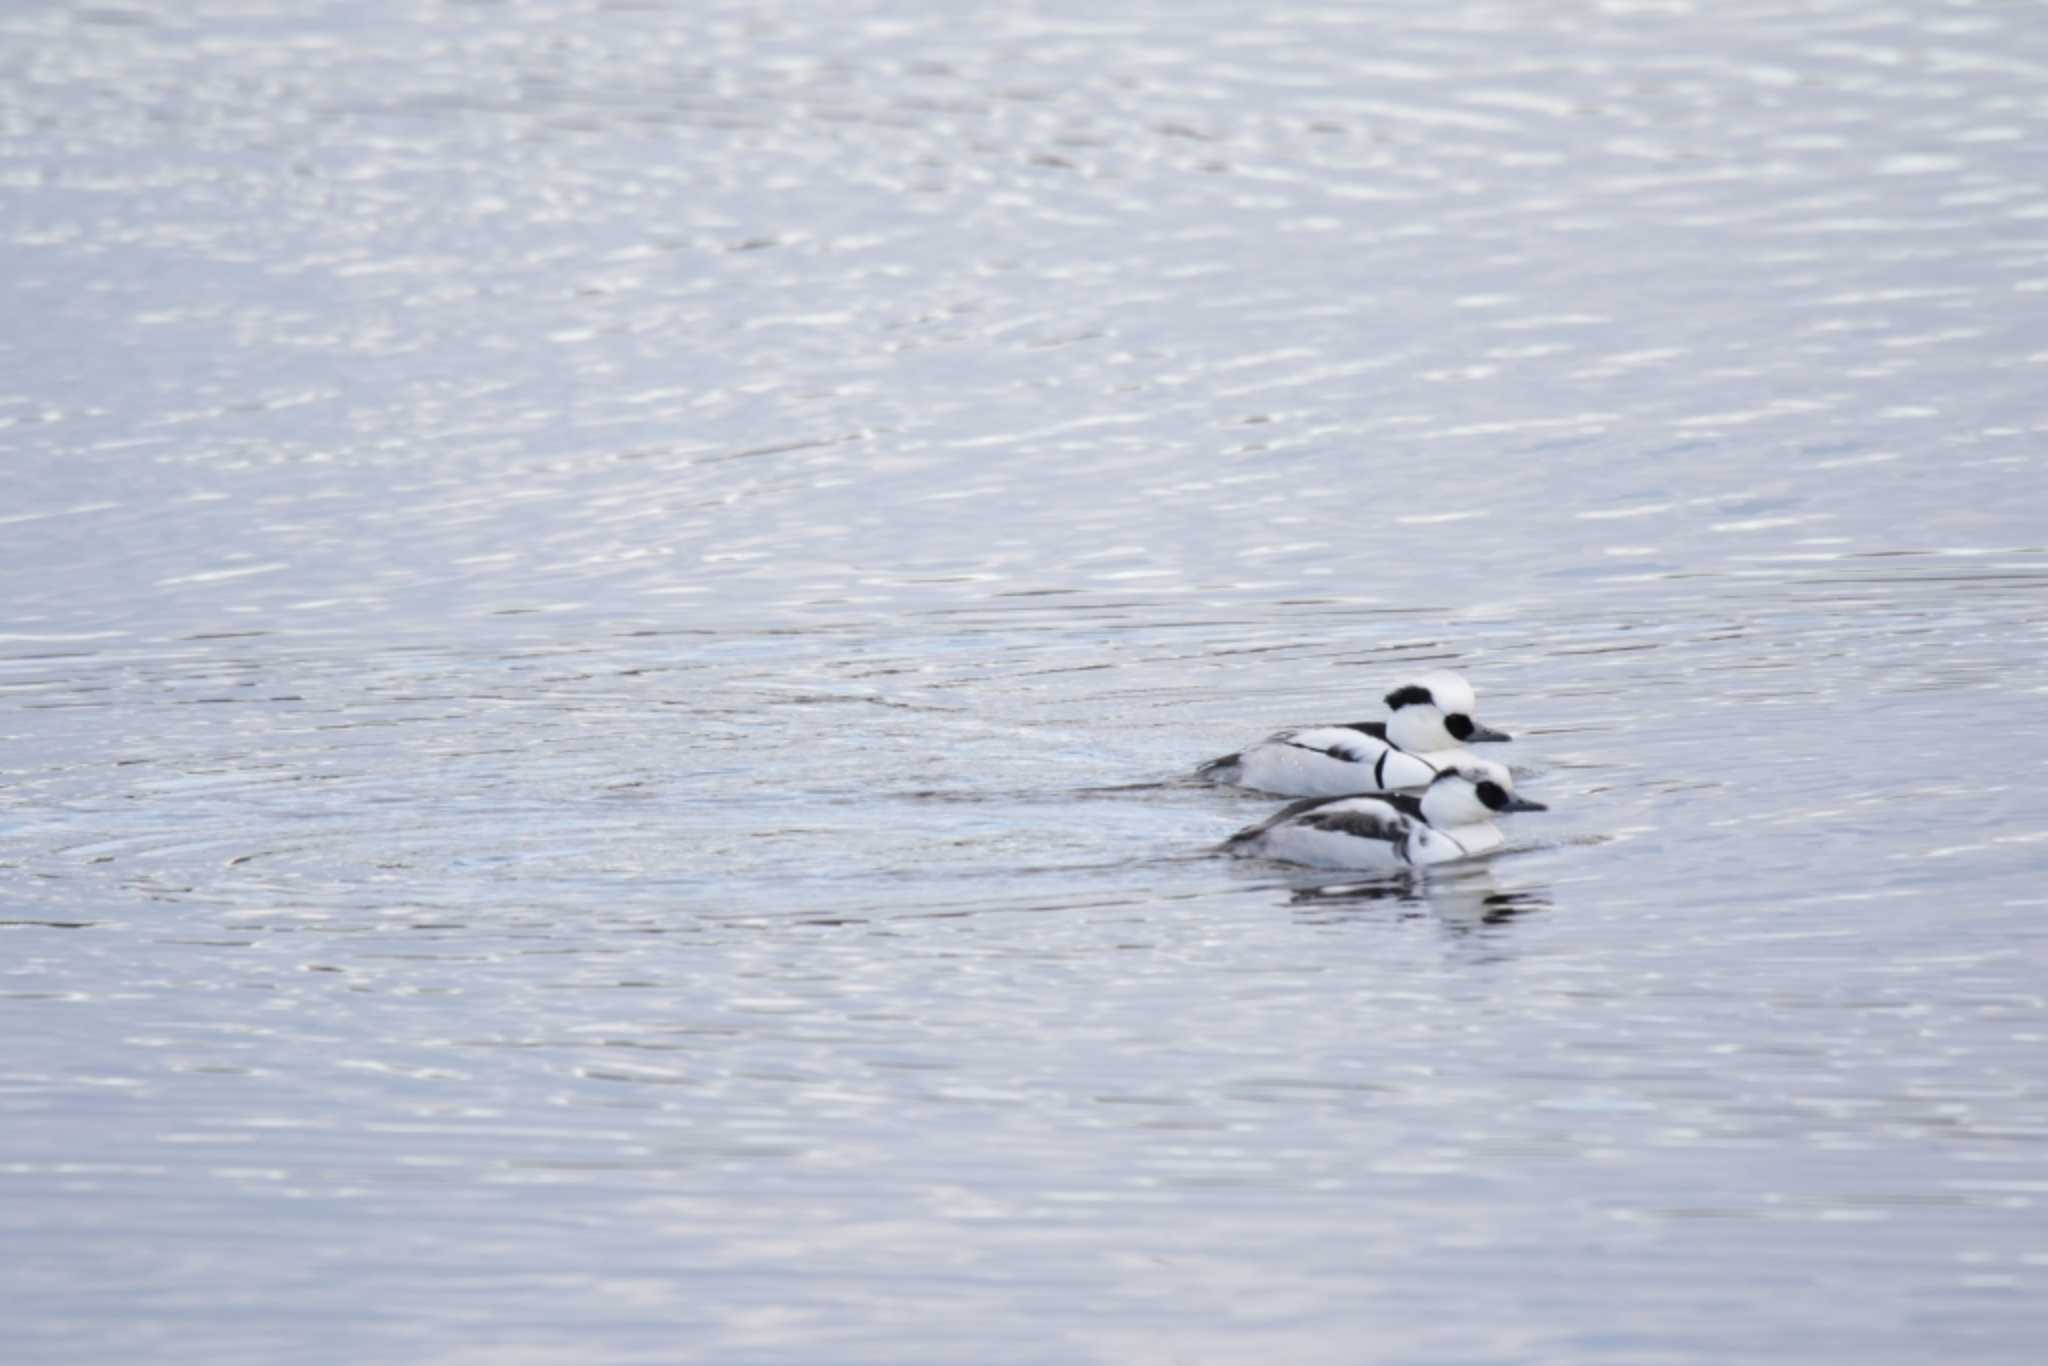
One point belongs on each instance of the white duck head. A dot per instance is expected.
(1472, 793)
(1434, 712)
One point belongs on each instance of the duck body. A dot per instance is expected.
(1430, 719)
(1450, 820)
(1328, 761)
(1356, 832)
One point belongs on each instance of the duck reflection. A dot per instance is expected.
(1466, 901)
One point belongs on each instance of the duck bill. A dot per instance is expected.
(1483, 733)
(1523, 804)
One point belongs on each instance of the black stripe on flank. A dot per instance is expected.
(1379, 770)
(1334, 752)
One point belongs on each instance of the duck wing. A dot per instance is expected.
(1368, 819)
(1279, 818)
(1339, 742)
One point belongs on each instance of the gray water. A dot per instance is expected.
(605, 606)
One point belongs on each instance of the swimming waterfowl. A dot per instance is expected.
(1430, 719)
(1451, 819)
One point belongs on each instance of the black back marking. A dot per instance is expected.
(1338, 752)
(1376, 729)
(1296, 807)
(1280, 817)
(1387, 826)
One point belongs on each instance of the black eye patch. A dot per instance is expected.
(1459, 725)
(1493, 795)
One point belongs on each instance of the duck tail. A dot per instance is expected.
(1286, 813)
(1244, 841)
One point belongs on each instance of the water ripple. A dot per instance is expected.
(611, 605)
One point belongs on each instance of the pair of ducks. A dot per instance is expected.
(1354, 813)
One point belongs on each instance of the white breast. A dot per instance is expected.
(1459, 841)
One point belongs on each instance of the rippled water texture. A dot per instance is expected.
(606, 607)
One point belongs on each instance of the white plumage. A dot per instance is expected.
(1430, 718)
(1451, 819)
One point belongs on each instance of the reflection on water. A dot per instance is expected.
(608, 609)
(1464, 900)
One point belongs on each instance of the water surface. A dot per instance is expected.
(607, 606)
